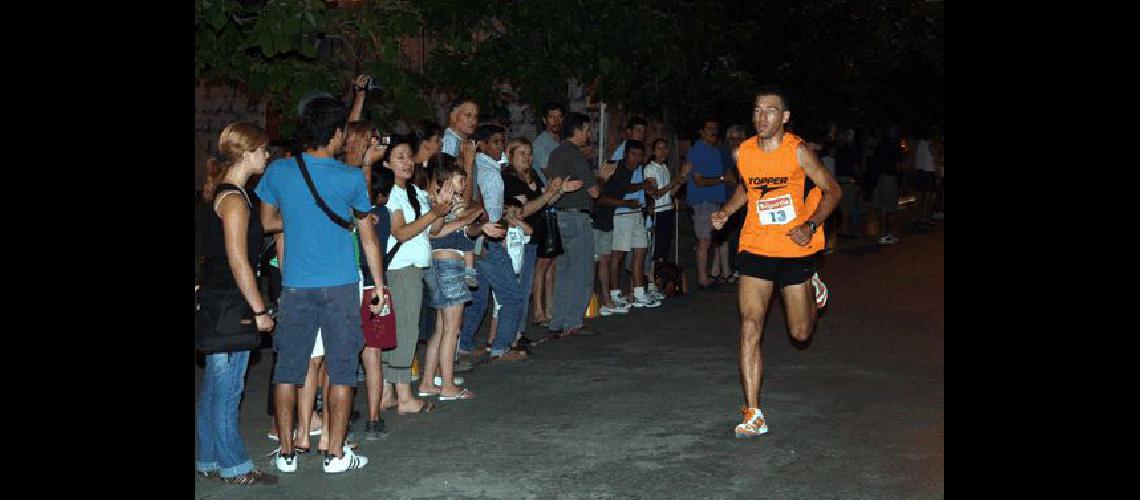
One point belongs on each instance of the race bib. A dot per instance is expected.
(776, 211)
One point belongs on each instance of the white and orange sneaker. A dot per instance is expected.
(753, 424)
(821, 294)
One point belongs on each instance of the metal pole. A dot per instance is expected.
(601, 134)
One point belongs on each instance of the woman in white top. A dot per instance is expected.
(663, 212)
(412, 216)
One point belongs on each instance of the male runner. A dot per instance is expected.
(782, 232)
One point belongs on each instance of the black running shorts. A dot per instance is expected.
(783, 271)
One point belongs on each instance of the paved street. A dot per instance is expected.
(647, 409)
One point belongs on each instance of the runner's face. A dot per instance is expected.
(769, 116)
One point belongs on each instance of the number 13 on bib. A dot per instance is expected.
(776, 211)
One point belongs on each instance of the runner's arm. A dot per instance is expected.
(720, 217)
(822, 178)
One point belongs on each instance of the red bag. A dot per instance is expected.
(379, 331)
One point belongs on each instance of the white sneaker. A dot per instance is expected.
(821, 294)
(620, 301)
(645, 301)
(286, 463)
(438, 380)
(609, 311)
(349, 461)
(655, 295)
(889, 239)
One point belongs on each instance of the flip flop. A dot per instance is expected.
(423, 394)
(464, 394)
(427, 407)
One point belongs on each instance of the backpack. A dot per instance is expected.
(670, 278)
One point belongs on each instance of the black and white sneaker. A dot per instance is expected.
(349, 461)
(375, 429)
(286, 463)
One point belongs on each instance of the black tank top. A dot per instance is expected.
(216, 271)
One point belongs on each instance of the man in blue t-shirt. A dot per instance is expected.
(706, 191)
(319, 275)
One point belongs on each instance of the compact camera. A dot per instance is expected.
(370, 84)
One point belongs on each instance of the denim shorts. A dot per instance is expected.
(335, 311)
(445, 281)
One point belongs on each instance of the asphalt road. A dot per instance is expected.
(647, 409)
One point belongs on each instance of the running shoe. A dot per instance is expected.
(645, 301)
(821, 294)
(620, 301)
(286, 463)
(349, 461)
(609, 311)
(753, 424)
(889, 239)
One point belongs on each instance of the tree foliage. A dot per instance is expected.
(668, 59)
(282, 49)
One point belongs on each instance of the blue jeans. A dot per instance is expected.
(495, 272)
(574, 278)
(220, 447)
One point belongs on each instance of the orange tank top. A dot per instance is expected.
(779, 199)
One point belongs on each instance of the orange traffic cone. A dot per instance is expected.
(592, 309)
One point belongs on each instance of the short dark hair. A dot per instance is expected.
(776, 91)
(511, 201)
(398, 139)
(637, 120)
(551, 106)
(572, 123)
(486, 130)
(634, 144)
(320, 121)
(443, 168)
(426, 130)
(459, 101)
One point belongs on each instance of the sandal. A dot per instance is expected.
(251, 477)
(510, 356)
(427, 407)
(464, 394)
(425, 394)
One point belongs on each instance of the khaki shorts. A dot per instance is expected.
(629, 232)
(603, 243)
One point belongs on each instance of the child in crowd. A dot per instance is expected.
(518, 232)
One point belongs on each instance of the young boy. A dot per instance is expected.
(518, 234)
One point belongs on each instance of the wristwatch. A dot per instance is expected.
(260, 313)
(813, 226)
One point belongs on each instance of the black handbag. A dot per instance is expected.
(224, 322)
(551, 243)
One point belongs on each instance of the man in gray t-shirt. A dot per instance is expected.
(567, 161)
(574, 277)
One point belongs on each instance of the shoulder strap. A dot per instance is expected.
(411, 188)
(338, 220)
(227, 188)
